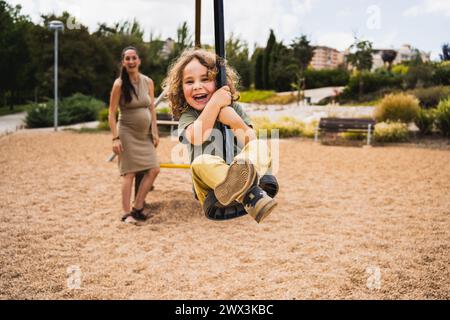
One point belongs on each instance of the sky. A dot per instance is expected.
(425, 24)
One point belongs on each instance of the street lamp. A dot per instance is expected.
(56, 26)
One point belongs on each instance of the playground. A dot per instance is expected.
(352, 223)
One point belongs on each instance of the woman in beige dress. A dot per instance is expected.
(135, 137)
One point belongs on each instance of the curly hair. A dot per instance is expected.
(173, 83)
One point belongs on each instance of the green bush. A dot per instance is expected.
(326, 78)
(81, 108)
(424, 120)
(75, 109)
(430, 97)
(443, 117)
(103, 119)
(397, 107)
(354, 136)
(371, 82)
(41, 115)
(420, 75)
(441, 75)
(390, 132)
(286, 126)
(163, 110)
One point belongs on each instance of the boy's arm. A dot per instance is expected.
(241, 130)
(199, 131)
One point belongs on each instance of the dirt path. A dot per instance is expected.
(351, 223)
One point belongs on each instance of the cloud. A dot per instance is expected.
(243, 18)
(429, 7)
(337, 40)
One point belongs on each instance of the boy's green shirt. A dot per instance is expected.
(214, 144)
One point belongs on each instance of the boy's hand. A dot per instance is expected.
(222, 97)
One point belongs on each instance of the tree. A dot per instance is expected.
(284, 68)
(445, 56)
(15, 70)
(361, 58)
(303, 52)
(257, 63)
(237, 55)
(388, 57)
(184, 40)
(268, 60)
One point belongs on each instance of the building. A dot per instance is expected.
(168, 47)
(326, 58)
(404, 53)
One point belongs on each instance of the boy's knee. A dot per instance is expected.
(155, 171)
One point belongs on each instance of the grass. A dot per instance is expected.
(255, 96)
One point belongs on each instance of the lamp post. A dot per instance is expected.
(56, 26)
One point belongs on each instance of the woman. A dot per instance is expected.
(135, 138)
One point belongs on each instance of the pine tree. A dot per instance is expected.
(271, 42)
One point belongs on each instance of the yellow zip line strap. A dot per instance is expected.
(175, 165)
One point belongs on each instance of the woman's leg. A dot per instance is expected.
(145, 186)
(127, 185)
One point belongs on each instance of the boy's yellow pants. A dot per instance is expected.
(208, 171)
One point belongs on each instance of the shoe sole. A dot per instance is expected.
(239, 178)
(265, 211)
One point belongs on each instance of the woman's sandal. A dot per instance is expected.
(138, 214)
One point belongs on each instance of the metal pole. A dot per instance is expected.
(219, 36)
(198, 19)
(56, 82)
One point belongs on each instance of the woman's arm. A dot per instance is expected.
(154, 125)
(113, 108)
(241, 130)
(200, 129)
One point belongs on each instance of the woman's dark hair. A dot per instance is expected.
(127, 87)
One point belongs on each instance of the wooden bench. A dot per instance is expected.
(337, 125)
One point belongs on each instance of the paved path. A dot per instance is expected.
(308, 113)
(12, 122)
(318, 94)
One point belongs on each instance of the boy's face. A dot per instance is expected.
(197, 86)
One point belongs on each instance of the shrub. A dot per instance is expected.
(397, 107)
(40, 115)
(430, 97)
(443, 117)
(286, 126)
(163, 110)
(75, 109)
(424, 120)
(81, 108)
(390, 132)
(103, 119)
(371, 82)
(441, 75)
(419, 76)
(326, 78)
(354, 136)
(400, 69)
